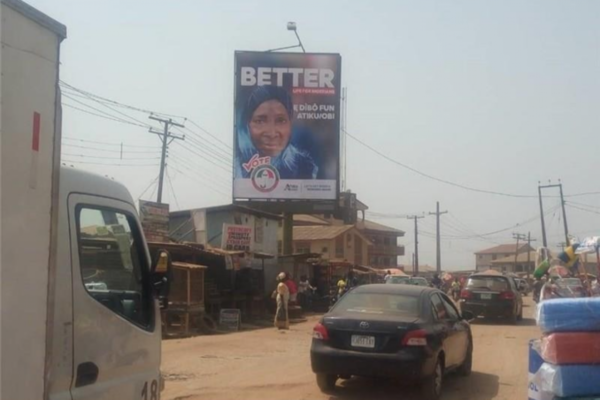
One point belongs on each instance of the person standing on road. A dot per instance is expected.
(455, 290)
(282, 297)
(289, 282)
(305, 291)
(436, 281)
(387, 275)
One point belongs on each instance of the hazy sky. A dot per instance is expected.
(495, 95)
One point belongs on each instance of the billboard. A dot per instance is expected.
(237, 237)
(287, 125)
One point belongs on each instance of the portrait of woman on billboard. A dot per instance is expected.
(265, 128)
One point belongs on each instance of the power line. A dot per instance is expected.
(203, 156)
(108, 143)
(203, 183)
(102, 116)
(447, 182)
(218, 158)
(136, 122)
(208, 133)
(199, 172)
(110, 158)
(116, 103)
(109, 165)
(148, 187)
(109, 150)
(581, 208)
(226, 154)
(170, 181)
(584, 205)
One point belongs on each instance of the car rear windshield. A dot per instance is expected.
(492, 283)
(379, 303)
(398, 279)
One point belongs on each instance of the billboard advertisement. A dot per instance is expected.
(287, 124)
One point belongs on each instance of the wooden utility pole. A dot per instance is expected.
(529, 240)
(165, 136)
(438, 248)
(416, 268)
(518, 236)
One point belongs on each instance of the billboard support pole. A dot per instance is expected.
(288, 233)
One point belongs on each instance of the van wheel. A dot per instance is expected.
(431, 388)
(326, 382)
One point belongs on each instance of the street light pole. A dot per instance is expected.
(291, 26)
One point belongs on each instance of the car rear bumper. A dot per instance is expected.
(405, 365)
(488, 309)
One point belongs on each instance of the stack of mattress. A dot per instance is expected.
(570, 348)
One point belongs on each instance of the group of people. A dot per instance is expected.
(286, 293)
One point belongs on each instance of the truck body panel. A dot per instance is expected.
(79, 316)
(30, 155)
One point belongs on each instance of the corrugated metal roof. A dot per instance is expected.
(319, 232)
(503, 248)
(374, 226)
(305, 219)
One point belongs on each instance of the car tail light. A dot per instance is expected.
(320, 332)
(415, 338)
(507, 296)
(466, 294)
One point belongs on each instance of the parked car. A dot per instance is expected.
(406, 332)
(492, 296)
(398, 279)
(419, 281)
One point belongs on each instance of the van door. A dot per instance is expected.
(116, 321)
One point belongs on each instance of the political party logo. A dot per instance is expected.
(265, 178)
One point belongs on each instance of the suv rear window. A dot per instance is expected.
(379, 303)
(492, 283)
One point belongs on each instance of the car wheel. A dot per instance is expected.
(431, 388)
(467, 366)
(326, 382)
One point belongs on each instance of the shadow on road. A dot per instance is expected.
(502, 322)
(478, 386)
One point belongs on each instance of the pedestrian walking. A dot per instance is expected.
(282, 297)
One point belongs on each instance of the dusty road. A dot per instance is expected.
(265, 364)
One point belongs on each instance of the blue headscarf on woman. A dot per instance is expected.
(291, 163)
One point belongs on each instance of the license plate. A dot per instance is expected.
(486, 296)
(363, 341)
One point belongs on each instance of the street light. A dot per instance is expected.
(291, 26)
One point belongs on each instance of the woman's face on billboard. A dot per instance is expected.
(270, 128)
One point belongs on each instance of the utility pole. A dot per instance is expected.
(165, 136)
(438, 249)
(544, 241)
(529, 240)
(562, 203)
(517, 236)
(416, 262)
(564, 214)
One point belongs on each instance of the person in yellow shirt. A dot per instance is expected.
(341, 286)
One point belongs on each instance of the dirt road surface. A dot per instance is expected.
(266, 364)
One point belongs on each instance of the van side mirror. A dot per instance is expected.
(161, 277)
(468, 315)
